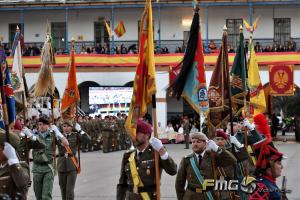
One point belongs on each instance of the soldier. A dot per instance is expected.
(67, 164)
(200, 165)
(14, 178)
(140, 164)
(107, 135)
(268, 168)
(43, 166)
(186, 131)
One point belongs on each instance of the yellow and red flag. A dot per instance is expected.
(71, 93)
(257, 94)
(108, 29)
(281, 80)
(120, 29)
(144, 86)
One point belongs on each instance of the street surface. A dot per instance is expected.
(100, 173)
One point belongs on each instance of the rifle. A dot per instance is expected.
(284, 191)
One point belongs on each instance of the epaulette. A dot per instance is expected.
(189, 156)
(130, 150)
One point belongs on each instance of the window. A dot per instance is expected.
(58, 32)
(282, 30)
(100, 33)
(12, 31)
(233, 30)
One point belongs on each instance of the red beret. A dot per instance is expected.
(18, 125)
(221, 133)
(143, 127)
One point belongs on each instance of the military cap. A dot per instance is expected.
(18, 125)
(44, 120)
(143, 127)
(68, 122)
(221, 133)
(14, 139)
(199, 135)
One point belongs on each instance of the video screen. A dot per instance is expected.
(109, 100)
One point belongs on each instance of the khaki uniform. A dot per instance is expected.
(187, 174)
(67, 172)
(14, 181)
(145, 165)
(85, 143)
(186, 132)
(107, 137)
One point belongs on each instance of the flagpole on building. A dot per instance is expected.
(157, 173)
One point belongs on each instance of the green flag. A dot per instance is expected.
(238, 75)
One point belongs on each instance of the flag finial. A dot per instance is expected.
(241, 28)
(224, 28)
(17, 29)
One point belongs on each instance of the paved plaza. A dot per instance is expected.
(100, 173)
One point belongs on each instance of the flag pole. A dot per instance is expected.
(3, 98)
(157, 172)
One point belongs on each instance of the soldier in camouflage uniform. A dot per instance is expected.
(205, 157)
(139, 163)
(14, 176)
(43, 166)
(122, 133)
(67, 163)
(85, 140)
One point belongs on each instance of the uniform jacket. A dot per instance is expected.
(64, 162)
(146, 169)
(266, 189)
(186, 173)
(14, 181)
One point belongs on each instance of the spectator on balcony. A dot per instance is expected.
(178, 50)
(212, 46)
(94, 51)
(292, 44)
(118, 50)
(123, 49)
(165, 50)
(257, 47)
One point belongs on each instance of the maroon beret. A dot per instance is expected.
(18, 125)
(221, 133)
(143, 127)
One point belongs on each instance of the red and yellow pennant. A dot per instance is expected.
(281, 80)
(120, 29)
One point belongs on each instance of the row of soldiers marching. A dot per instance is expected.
(244, 154)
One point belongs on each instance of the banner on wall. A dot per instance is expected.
(281, 80)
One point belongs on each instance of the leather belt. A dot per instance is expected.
(151, 188)
(197, 190)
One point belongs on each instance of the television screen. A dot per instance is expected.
(109, 100)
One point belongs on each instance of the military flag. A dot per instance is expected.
(144, 86)
(120, 29)
(190, 83)
(218, 90)
(257, 95)
(45, 83)
(108, 29)
(8, 93)
(239, 87)
(71, 93)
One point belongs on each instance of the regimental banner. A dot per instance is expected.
(281, 80)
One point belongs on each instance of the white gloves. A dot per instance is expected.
(58, 134)
(157, 145)
(234, 141)
(211, 145)
(28, 133)
(247, 124)
(10, 153)
(77, 127)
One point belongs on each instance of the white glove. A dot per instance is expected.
(28, 133)
(64, 141)
(58, 134)
(247, 124)
(82, 132)
(77, 127)
(155, 143)
(234, 141)
(10, 153)
(211, 145)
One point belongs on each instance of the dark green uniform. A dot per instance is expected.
(187, 174)
(146, 168)
(186, 132)
(43, 169)
(107, 136)
(67, 171)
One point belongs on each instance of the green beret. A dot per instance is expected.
(14, 139)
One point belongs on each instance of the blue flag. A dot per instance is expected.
(8, 92)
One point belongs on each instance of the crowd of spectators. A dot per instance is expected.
(35, 49)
